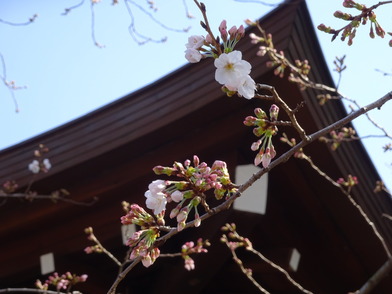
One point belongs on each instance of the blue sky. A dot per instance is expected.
(67, 76)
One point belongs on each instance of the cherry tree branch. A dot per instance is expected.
(353, 202)
(280, 269)
(245, 271)
(32, 290)
(283, 158)
(54, 198)
(233, 241)
(31, 20)
(376, 278)
(286, 108)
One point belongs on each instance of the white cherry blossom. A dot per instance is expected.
(157, 186)
(195, 42)
(247, 87)
(156, 201)
(193, 55)
(34, 167)
(231, 69)
(47, 164)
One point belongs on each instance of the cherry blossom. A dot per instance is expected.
(193, 55)
(46, 165)
(233, 73)
(247, 88)
(156, 201)
(34, 166)
(231, 69)
(157, 186)
(195, 42)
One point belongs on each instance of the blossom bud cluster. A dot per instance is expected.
(265, 129)
(197, 179)
(349, 183)
(142, 241)
(232, 239)
(8, 187)
(188, 193)
(278, 60)
(63, 282)
(199, 47)
(292, 142)
(190, 248)
(231, 71)
(349, 31)
(40, 164)
(338, 137)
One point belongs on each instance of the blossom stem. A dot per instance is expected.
(207, 27)
(286, 108)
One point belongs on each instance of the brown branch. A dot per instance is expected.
(68, 10)
(123, 274)
(32, 290)
(280, 269)
(376, 278)
(9, 84)
(31, 20)
(207, 27)
(245, 271)
(387, 216)
(353, 202)
(286, 108)
(46, 197)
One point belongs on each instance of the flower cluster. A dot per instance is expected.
(63, 282)
(40, 164)
(292, 142)
(190, 248)
(199, 47)
(196, 179)
(142, 241)
(367, 14)
(9, 186)
(265, 129)
(231, 71)
(338, 137)
(349, 183)
(232, 239)
(299, 70)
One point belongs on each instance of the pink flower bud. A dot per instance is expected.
(223, 30)
(177, 196)
(233, 31)
(209, 39)
(240, 32)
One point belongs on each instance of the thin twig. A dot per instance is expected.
(353, 202)
(279, 268)
(47, 197)
(207, 27)
(245, 271)
(32, 290)
(286, 108)
(68, 10)
(31, 19)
